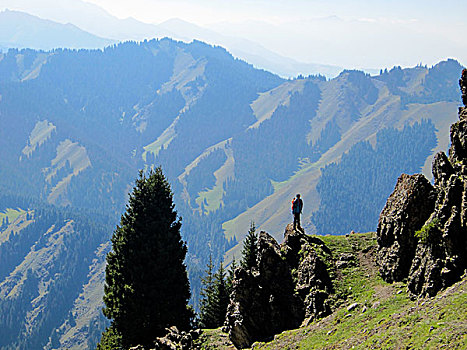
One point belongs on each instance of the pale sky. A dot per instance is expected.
(412, 31)
(346, 33)
(208, 11)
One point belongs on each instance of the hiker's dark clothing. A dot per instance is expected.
(296, 220)
(297, 206)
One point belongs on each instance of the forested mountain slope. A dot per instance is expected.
(77, 125)
(51, 276)
(379, 126)
(75, 128)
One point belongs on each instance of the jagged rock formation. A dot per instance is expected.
(406, 210)
(290, 283)
(463, 84)
(422, 231)
(312, 281)
(174, 340)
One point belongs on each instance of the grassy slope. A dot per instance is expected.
(11, 214)
(212, 196)
(18, 221)
(186, 71)
(267, 102)
(263, 108)
(67, 152)
(41, 133)
(76, 155)
(391, 320)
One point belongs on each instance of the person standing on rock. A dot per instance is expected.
(297, 206)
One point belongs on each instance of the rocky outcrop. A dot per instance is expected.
(442, 170)
(309, 271)
(174, 340)
(263, 301)
(463, 85)
(290, 282)
(406, 210)
(439, 235)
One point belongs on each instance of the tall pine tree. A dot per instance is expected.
(146, 284)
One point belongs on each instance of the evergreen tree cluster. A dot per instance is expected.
(214, 296)
(217, 287)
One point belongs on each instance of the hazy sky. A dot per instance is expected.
(347, 33)
(208, 11)
(340, 32)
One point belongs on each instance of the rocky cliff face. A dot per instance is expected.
(463, 85)
(289, 284)
(422, 230)
(406, 210)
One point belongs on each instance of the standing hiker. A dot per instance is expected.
(297, 206)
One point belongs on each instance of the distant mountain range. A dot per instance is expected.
(21, 30)
(236, 143)
(94, 28)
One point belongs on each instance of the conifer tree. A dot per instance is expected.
(249, 250)
(221, 295)
(146, 284)
(215, 297)
(230, 276)
(207, 311)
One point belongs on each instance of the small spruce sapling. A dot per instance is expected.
(206, 317)
(249, 250)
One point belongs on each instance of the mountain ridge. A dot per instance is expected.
(21, 30)
(118, 30)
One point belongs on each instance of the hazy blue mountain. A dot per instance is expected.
(76, 126)
(96, 20)
(248, 50)
(21, 30)
(235, 142)
(89, 17)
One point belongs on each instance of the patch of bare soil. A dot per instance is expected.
(367, 260)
